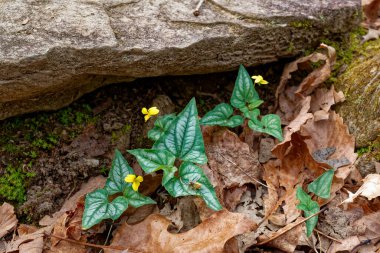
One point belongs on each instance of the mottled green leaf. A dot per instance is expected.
(184, 137)
(98, 208)
(152, 160)
(309, 207)
(244, 91)
(183, 186)
(119, 170)
(322, 185)
(256, 103)
(161, 124)
(270, 124)
(221, 116)
(136, 199)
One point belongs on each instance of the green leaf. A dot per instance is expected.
(190, 173)
(221, 116)
(161, 124)
(256, 103)
(152, 160)
(119, 170)
(309, 207)
(322, 185)
(98, 208)
(270, 124)
(184, 137)
(136, 199)
(244, 91)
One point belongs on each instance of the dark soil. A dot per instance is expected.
(44, 157)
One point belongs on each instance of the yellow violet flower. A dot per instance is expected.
(149, 112)
(259, 80)
(130, 178)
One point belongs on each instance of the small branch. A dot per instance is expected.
(327, 236)
(242, 170)
(196, 11)
(290, 228)
(93, 245)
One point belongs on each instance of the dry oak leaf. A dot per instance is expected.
(151, 235)
(370, 188)
(289, 240)
(8, 220)
(232, 160)
(29, 243)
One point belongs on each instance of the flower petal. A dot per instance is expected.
(153, 111)
(264, 82)
(135, 186)
(144, 110)
(130, 178)
(146, 117)
(139, 179)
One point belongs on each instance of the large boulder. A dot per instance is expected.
(361, 86)
(53, 51)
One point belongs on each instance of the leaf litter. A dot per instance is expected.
(255, 179)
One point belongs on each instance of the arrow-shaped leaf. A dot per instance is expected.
(244, 91)
(97, 208)
(184, 138)
(309, 207)
(119, 170)
(161, 124)
(322, 185)
(189, 176)
(136, 199)
(152, 160)
(221, 116)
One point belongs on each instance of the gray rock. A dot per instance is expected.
(52, 52)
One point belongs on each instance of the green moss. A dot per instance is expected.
(306, 24)
(13, 184)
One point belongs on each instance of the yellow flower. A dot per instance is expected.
(130, 178)
(149, 112)
(259, 80)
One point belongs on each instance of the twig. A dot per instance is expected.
(242, 170)
(362, 243)
(294, 225)
(196, 11)
(93, 245)
(108, 236)
(327, 236)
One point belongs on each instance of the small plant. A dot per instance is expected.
(177, 151)
(246, 99)
(321, 187)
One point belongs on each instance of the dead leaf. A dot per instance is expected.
(24, 229)
(231, 161)
(8, 220)
(289, 98)
(372, 34)
(287, 241)
(371, 10)
(34, 240)
(370, 188)
(151, 235)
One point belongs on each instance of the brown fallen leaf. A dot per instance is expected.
(289, 98)
(231, 160)
(8, 220)
(69, 226)
(287, 241)
(371, 10)
(321, 101)
(370, 188)
(151, 235)
(33, 241)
